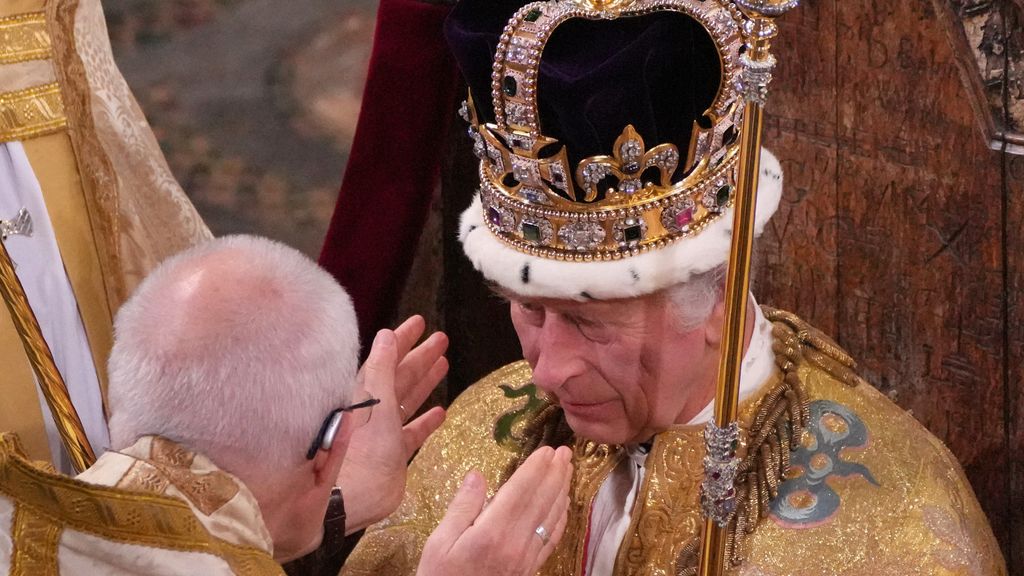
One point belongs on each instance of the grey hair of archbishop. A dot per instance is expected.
(238, 349)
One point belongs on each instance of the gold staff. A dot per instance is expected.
(718, 496)
(69, 425)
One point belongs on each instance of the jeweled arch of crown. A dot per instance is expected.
(532, 198)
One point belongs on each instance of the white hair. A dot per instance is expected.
(694, 300)
(238, 349)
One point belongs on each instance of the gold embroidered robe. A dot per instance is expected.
(868, 490)
(152, 509)
(114, 206)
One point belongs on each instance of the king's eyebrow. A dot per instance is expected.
(498, 292)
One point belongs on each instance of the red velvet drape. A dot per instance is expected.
(395, 160)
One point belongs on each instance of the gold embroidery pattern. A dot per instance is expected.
(669, 515)
(168, 466)
(31, 112)
(113, 514)
(35, 544)
(592, 462)
(98, 177)
(142, 477)
(163, 451)
(24, 37)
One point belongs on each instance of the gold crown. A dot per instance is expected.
(541, 206)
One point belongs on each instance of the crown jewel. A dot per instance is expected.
(635, 198)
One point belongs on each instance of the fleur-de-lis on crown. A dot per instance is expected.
(629, 161)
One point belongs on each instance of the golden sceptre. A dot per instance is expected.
(69, 425)
(718, 494)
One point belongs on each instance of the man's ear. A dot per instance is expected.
(714, 324)
(327, 463)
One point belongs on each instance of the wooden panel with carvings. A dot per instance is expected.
(920, 276)
(1014, 480)
(988, 39)
(797, 253)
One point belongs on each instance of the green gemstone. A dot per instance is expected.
(633, 233)
(722, 196)
(531, 232)
(532, 15)
(509, 86)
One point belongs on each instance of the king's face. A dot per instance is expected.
(620, 369)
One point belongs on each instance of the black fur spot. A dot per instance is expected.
(473, 227)
(634, 274)
(524, 274)
(586, 295)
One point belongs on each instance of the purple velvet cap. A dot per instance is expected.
(658, 72)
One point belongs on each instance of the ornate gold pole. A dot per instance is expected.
(718, 497)
(69, 425)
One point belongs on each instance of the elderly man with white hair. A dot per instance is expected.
(236, 409)
(608, 135)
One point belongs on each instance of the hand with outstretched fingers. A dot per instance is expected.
(514, 533)
(402, 375)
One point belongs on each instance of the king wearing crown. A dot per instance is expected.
(611, 144)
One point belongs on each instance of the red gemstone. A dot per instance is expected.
(684, 217)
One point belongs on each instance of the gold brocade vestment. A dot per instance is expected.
(152, 509)
(869, 490)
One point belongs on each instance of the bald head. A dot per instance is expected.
(237, 348)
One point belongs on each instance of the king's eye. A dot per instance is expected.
(592, 330)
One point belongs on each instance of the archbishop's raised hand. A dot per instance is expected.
(517, 530)
(402, 375)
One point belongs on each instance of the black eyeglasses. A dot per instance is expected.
(329, 429)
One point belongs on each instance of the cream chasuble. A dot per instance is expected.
(152, 509)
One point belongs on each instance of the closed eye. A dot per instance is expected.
(593, 330)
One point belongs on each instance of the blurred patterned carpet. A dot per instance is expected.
(254, 103)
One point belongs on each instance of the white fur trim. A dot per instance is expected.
(634, 276)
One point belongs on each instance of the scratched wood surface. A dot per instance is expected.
(915, 249)
(900, 233)
(1013, 194)
(797, 253)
